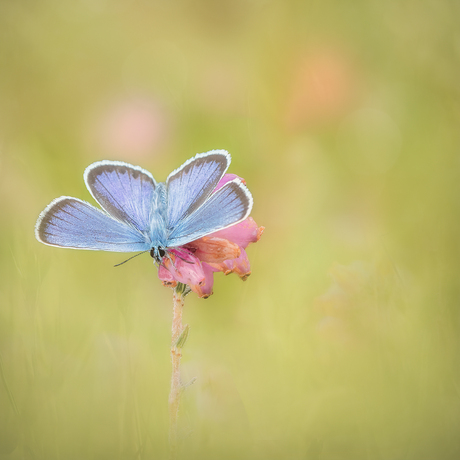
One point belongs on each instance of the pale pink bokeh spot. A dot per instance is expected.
(134, 127)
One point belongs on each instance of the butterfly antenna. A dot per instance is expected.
(117, 265)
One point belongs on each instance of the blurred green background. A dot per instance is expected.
(344, 119)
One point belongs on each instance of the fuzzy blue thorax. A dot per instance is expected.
(158, 236)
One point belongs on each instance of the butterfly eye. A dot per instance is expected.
(157, 254)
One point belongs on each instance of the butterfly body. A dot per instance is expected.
(138, 214)
(158, 231)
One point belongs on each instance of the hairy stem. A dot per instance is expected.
(179, 336)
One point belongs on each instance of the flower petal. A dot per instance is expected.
(242, 234)
(240, 266)
(184, 268)
(213, 249)
(204, 290)
(166, 277)
(228, 178)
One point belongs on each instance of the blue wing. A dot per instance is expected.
(191, 185)
(124, 191)
(71, 223)
(227, 206)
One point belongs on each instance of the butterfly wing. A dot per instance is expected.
(191, 185)
(71, 223)
(229, 205)
(125, 191)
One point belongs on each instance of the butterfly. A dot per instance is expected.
(139, 215)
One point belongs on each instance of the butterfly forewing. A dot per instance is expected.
(124, 191)
(190, 185)
(72, 223)
(229, 205)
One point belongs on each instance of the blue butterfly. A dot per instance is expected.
(139, 214)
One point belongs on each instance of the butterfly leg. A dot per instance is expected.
(182, 258)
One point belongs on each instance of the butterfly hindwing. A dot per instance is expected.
(124, 191)
(72, 223)
(229, 205)
(190, 185)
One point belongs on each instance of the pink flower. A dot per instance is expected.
(195, 263)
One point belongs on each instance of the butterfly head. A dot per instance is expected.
(157, 253)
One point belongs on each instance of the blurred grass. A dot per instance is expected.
(343, 119)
